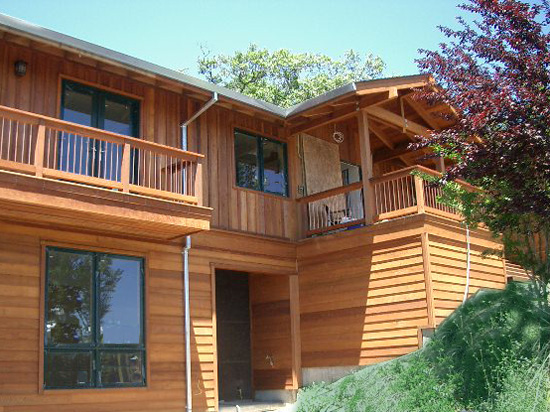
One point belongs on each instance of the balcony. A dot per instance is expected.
(85, 178)
(397, 194)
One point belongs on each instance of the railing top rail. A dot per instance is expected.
(331, 192)
(38, 119)
(407, 171)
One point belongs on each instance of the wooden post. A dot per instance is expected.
(419, 190)
(198, 183)
(125, 168)
(366, 167)
(440, 164)
(39, 150)
(295, 331)
(425, 240)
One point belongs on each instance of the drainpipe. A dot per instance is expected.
(189, 394)
(185, 253)
(184, 125)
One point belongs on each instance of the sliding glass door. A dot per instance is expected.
(92, 107)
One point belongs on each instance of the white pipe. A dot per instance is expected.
(185, 252)
(467, 289)
(184, 125)
(189, 394)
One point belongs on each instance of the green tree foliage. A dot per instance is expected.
(285, 78)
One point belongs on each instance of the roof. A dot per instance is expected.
(39, 33)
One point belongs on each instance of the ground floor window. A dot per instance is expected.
(94, 320)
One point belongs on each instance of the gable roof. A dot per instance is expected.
(33, 31)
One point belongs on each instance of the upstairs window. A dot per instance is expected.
(94, 332)
(261, 163)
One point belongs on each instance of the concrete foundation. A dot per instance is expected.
(328, 375)
(280, 396)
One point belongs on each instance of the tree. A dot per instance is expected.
(285, 78)
(494, 72)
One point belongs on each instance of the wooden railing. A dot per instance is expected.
(333, 209)
(56, 149)
(402, 193)
(396, 194)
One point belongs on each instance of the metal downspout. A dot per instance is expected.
(189, 392)
(185, 253)
(184, 125)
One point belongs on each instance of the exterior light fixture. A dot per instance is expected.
(20, 67)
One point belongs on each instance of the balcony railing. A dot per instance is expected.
(396, 194)
(402, 193)
(333, 209)
(60, 150)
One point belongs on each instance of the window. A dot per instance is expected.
(97, 108)
(94, 323)
(261, 163)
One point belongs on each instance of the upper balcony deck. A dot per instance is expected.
(78, 176)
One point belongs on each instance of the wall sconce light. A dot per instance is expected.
(20, 67)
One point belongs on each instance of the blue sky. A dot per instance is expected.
(170, 32)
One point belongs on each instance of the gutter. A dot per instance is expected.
(185, 253)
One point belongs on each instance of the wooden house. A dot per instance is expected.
(313, 249)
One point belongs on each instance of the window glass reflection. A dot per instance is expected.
(274, 167)
(68, 369)
(119, 300)
(246, 159)
(121, 368)
(68, 317)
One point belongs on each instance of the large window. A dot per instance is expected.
(97, 108)
(94, 332)
(261, 163)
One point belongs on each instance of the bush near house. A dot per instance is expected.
(490, 355)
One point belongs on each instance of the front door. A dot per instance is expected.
(233, 336)
(97, 108)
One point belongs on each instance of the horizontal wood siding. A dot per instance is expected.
(361, 303)
(448, 266)
(20, 350)
(271, 340)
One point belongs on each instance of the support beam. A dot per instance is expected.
(422, 112)
(337, 115)
(396, 120)
(295, 331)
(428, 283)
(366, 167)
(400, 150)
(381, 135)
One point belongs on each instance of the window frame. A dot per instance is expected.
(261, 166)
(94, 347)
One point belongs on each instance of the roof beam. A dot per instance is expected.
(422, 112)
(322, 121)
(396, 120)
(400, 150)
(381, 135)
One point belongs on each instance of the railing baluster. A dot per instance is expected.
(39, 150)
(125, 168)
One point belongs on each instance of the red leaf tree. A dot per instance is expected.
(495, 73)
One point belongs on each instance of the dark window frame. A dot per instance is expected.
(261, 167)
(99, 97)
(96, 348)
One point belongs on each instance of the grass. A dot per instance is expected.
(490, 355)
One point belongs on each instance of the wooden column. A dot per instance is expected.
(440, 164)
(425, 240)
(419, 190)
(366, 167)
(295, 332)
